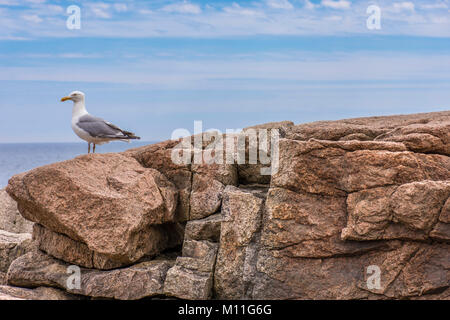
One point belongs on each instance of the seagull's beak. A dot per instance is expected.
(65, 99)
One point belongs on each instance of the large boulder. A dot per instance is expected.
(108, 202)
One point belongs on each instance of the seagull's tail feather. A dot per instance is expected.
(129, 135)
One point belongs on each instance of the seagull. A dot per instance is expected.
(92, 129)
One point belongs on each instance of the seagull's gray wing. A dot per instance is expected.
(99, 128)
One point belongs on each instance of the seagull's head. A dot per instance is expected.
(75, 96)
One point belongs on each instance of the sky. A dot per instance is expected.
(155, 66)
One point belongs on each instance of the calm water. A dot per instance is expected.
(19, 157)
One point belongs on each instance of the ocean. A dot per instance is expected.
(20, 157)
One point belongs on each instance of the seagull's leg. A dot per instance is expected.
(89, 147)
(94, 148)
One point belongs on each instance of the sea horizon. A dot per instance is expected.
(18, 157)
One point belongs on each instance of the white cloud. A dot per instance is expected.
(146, 11)
(9, 3)
(183, 7)
(309, 5)
(120, 7)
(440, 20)
(339, 4)
(54, 8)
(100, 10)
(334, 18)
(14, 38)
(224, 20)
(431, 6)
(404, 6)
(32, 18)
(75, 55)
(280, 4)
(236, 9)
(69, 55)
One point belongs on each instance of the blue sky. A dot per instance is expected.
(155, 66)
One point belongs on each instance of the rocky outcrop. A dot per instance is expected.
(409, 211)
(242, 213)
(15, 236)
(72, 251)
(344, 181)
(192, 275)
(10, 218)
(40, 293)
(12, 246)
(204, 229)
(357, 209)
(200, 186)
(37, 269)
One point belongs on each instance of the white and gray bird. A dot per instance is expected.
(92, 129)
